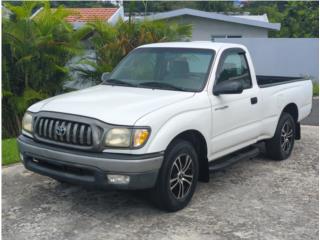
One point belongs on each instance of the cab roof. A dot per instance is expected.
(195, 44)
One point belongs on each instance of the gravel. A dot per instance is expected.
(253, 199)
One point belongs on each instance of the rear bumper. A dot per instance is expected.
(88, 168)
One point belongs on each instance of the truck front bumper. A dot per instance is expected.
(89, 168)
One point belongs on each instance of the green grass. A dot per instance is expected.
(316, 89)
(10, 152)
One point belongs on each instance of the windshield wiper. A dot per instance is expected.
(161, 85)
(113, 81)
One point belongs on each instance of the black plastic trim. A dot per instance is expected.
(120, 156)
(277, 80)
(93, 177)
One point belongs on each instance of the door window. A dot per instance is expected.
(234, 67)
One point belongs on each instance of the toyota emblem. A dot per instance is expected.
(61, 130)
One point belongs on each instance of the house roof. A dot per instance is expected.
(254, 21)
(90, 14)
(262, 18)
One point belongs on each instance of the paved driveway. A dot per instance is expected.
(254, 199)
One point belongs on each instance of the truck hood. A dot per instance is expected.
(112, 104)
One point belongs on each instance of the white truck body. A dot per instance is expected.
(170, 113)
(221, 123)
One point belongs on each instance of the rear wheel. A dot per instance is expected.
(280, 146)
(178, 177)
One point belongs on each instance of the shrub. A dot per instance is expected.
(35, 52)
(112, 43)
(316, 89)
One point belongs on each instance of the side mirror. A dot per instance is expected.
(105, 76)
(228, 87)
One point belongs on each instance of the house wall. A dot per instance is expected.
(283, 56)
(203, 28)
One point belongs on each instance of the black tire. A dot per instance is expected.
(173, 190)
(280, 146)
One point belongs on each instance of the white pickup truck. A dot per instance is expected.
(167, 115)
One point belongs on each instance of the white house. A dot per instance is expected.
(209, 26)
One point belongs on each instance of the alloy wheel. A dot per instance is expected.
(181, 176)
(286, 137)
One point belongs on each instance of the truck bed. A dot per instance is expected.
(269, 81)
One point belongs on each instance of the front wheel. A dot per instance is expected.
(280, 146)
(178, 177)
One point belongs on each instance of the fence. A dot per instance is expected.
(283, 56)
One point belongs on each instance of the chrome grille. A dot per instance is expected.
(64, 131)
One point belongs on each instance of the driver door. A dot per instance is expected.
(235, 117)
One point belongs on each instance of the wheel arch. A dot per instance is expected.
(200, 144)
(293, 110)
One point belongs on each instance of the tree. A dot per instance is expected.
(36, 51)
(217, 6)
(300, 19)
(112, 43)
(297, 18)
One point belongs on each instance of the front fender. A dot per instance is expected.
(198, 120)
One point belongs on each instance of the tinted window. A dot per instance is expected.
(184, 68)
(234, 67)
(137, 67)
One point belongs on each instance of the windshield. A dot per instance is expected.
(179, 69)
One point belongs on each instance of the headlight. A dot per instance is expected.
(27, 122)
(126, 137)
(118, 137)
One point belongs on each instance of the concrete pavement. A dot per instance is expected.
(253, 199)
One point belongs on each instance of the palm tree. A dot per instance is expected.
(112, 43)
(36, 50)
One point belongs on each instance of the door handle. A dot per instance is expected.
(254, 100)
(221, 108)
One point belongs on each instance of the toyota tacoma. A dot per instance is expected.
(167, 115)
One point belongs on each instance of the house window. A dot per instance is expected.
(234, 36)
(213, 37)
(217, 36)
